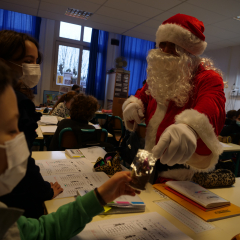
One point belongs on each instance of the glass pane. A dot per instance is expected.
(67, 66)
(70, 31)
(87, 34)
(84, 69)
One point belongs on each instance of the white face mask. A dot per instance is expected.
(17, 158)
(31, 74)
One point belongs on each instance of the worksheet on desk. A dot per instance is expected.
(48, 129)
(93, 153)
(148, 226)
(77, 181)
(53, 167)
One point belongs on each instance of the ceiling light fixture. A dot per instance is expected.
(237, 18)
(72, 12)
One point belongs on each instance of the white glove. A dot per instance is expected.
(179, 141)
(133, 112)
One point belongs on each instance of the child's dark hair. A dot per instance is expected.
(83, 107)
(11, 42)
(75, 86)
(6, 77)
(64, 98)
(232, 113)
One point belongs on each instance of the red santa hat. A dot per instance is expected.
(185, 31)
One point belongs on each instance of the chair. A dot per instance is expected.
(99, 116)
(68, 140)
(141, 130)
(114, 125)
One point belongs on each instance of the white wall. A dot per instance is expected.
(46, 42)
(113, 51)
(228, 60)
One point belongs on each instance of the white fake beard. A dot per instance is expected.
(169, 76)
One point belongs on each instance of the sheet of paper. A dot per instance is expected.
(192, 221)
(53, 167)
(148, 226)
(225, 145)
(77, 181)
(97, 126)
(49, 119)
(93, 153)
(48, 129)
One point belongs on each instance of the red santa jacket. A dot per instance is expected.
(204, 112)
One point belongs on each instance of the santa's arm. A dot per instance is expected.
(207, 119)
(135, 104)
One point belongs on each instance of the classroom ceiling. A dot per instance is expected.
(141, 18)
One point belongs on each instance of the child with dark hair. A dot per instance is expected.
(82, 110)
(231, 116)
(76, 88)
(233, 129)
(62, 106)
(69, 219)
(20, 52)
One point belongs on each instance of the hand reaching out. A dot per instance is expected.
(56, 189)
(117, 186)
(176, 145)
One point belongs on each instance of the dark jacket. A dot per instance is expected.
(32, 190)
(232, 130)
(66, 123)
(229, 121)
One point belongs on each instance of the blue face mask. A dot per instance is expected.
(238, 123)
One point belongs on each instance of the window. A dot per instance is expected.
(72, 55)
(87, 34)
(70, 31)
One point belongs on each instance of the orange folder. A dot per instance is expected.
(210, 216)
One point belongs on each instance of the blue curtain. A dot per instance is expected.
(135, 51)
(20, 22)
(97, 64)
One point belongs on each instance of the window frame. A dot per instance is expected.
(71, 43)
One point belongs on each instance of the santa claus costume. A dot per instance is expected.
(203, 112)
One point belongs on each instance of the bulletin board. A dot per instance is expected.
(51, 97)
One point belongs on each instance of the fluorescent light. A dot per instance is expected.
(72, 12)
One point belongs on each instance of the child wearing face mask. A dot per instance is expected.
(62, 106)
(233, 129)
(14, 154)
(21, 53)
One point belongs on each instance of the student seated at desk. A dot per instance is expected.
(21, 53)
(82, 110)
(76, 88)
(231, 117)
(69, 219)
(62, 106)
(233, 129)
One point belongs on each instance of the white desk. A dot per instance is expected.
(224, 229)
(41, 134)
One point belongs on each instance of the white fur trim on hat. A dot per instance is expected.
(200, 123)
(180, 36)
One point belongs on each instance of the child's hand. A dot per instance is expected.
(56, 189)
(116, 186)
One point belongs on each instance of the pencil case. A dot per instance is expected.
(110, 164)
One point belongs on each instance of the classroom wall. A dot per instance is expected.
(46, 42)
(228, 60)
